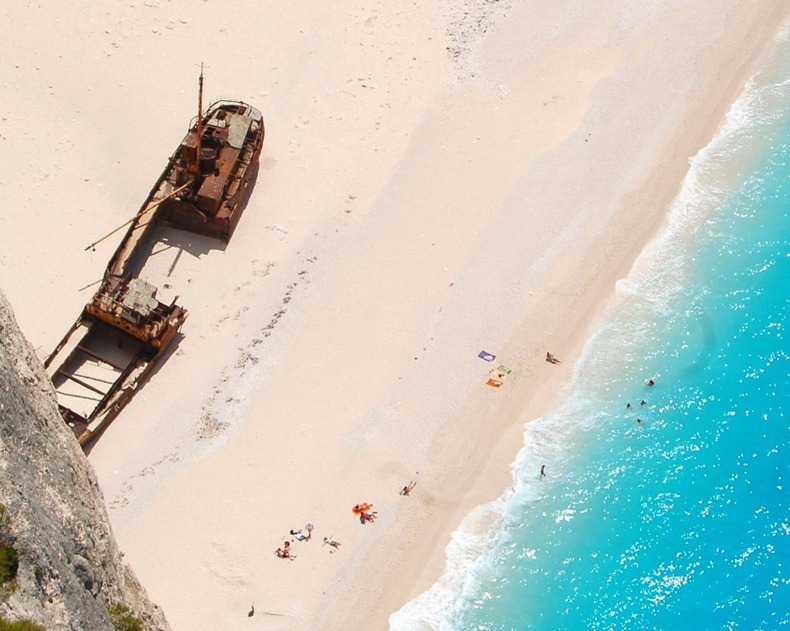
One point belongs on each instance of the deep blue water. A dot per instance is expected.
(678, 520)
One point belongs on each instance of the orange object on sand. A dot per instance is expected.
(361, 508)
(494, 383)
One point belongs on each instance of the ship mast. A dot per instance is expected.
(200, 120)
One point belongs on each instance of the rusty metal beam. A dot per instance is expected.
(80, 381)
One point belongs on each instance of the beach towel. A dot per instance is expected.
(487, 356)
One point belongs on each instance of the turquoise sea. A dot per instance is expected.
(680, 519)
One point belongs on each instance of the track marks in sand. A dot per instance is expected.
(121, 500)
(469, 22)
(210, 426)
(237, 381)
(259, 270)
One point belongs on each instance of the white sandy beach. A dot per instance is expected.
(436, 180)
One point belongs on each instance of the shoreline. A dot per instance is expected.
(493, 477)
(409, 213)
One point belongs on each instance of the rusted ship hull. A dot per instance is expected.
(124, 331)
(108, 353)
(217, 159)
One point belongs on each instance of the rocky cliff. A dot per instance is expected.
(59, 564)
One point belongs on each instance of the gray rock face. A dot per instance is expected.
(71, 575)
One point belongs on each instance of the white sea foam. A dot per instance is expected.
(656, 278)
(435, 609)
(657, 273)
(547, 441)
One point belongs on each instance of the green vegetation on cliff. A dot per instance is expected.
(122, 619)
(19, 625)
(9, 559)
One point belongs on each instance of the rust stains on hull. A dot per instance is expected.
(125, 331)
(218, 169)
(119, 337)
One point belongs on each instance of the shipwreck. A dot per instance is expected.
(125, 331)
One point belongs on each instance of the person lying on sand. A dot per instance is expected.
(366, 517)
(408, 488)
(328, 541)
(551, 359)
(284, 554)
